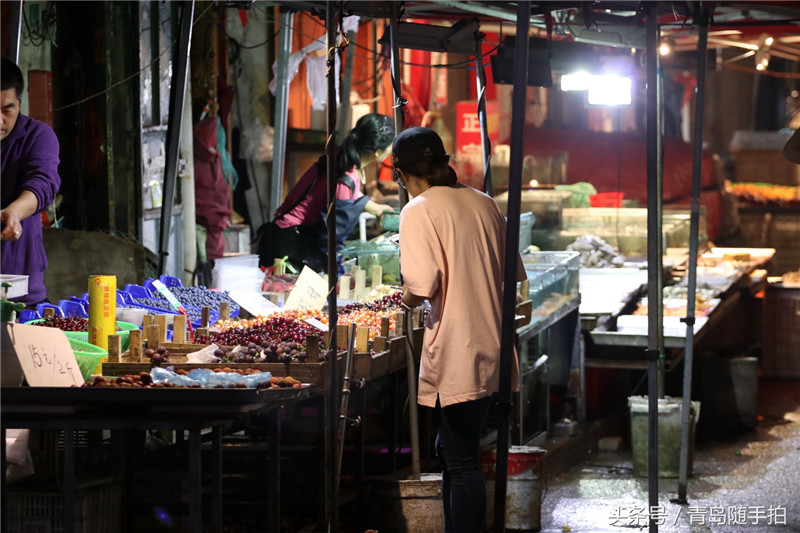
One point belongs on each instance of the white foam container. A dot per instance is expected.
(19, 285)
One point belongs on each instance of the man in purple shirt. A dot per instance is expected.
(30, 181)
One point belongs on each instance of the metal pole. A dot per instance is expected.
(702, 44)
(189, 224)
(345, 398)
(507, 333)
(399, 101)
(486, 144)
(345, 111)
(399, 123)
(330, 220)
(411, 370)
(177, 91)
(654, 257)
(16, 29)
(281, 110)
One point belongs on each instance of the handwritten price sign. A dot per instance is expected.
(44, 354)
(310, 291)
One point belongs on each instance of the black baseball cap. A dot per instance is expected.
(415, 144)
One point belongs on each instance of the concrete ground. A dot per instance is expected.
(748, 482)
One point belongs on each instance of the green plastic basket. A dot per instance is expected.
(88, 355)
(123, 332)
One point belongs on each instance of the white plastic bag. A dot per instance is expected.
(318, 83)
(258, 142)
(319, 101)
(206, 355)
(18, 455)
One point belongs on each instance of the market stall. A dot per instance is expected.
(607, 305)
(726, 278)
(286, 345)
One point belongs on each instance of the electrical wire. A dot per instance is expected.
(252, 46)
(138, 72)
(373, 54)
(37, 38)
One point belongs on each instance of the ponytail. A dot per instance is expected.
(372, 132)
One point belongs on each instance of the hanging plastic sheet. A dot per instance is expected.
(315, 65)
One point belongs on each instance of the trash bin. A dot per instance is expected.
(523, 490)
(669, 434)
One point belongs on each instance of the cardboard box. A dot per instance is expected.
(757, 157)
(765, 166)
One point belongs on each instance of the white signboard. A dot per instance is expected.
(253, 303)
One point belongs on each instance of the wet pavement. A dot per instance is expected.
(748, 482)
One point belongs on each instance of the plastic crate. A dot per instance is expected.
(26, 315)
(41, 307)
(606, 199)
(124, 297)
(97, 510)
(148, 284)
(137, 291)
(94, 452)
(19, 285)
(170, 281)
(73, 308)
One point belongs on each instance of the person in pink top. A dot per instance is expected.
(452, 250)
(300, 221)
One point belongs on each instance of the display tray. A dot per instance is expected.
(778, 283)
(606, 291)
(365, 365)
(315, 374)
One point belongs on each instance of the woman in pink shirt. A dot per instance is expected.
(452, 250)
(301, 215)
